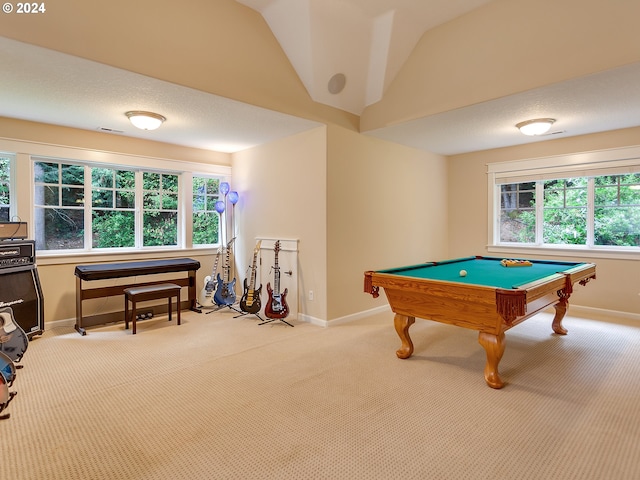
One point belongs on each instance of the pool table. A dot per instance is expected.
(487, 296)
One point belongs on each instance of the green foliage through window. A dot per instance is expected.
(517, 212)
(565, 207)
(59, 206)
(78, 206)
(113, 218)
(160, 209)
(5, 188)
(206, 221)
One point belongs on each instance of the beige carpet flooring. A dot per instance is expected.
(224, 398)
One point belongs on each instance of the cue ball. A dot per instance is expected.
(463, 273)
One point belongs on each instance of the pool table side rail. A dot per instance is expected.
(575, 274)
(467, 305)
(560, 282)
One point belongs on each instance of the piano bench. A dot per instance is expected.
(148, 292)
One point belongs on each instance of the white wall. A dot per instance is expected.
(387, 207)
(356, 203)
(282, 187)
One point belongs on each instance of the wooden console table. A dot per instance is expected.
(104, 271)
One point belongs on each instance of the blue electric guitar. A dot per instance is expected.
(7, 369)
(13, 345)
(13, 340)
(226, 291)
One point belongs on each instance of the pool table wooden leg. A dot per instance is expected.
(561, 310)
(402, 324)
(494, 347)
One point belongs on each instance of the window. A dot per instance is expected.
(565, 212)
(566, 220)
(517, 212)
(567, 203)
(160, 209)
(113, 202)
(60, 190)
(59, 206)
(129, 208)
(5, 187)
(206, 220)
(79, 202)
(617, 210)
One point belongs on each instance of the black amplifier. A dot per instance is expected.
(20, 286)
(17, 253)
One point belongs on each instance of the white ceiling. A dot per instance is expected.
(594, 103)
(50, 87)
(367, 41)
(46, 86)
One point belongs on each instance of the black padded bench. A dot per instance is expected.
(149, 292)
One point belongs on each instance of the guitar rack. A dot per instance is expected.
(267, 251)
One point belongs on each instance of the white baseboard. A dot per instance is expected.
(574, 310)
(602, 314)
(66, 322)
(346, 319)
(312, 320)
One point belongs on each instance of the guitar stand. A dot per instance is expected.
(208, 307)
(220, 307)
(274, 319)
(244, 314)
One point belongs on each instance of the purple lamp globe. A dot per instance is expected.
(219, 206)
(224, 188)
(233, 197)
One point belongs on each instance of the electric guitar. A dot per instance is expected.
(5, 397)
(204, 298)
(277, 306)
(250, 301)
(7, 369)
(13, 340)
(226, 291)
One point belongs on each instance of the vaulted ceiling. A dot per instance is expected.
(346, 53)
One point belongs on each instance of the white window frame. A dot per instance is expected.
(13, 215)
(23, 174)
(221, 223)
(586, 164)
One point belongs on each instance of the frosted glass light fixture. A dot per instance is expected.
(224, 188)
(233, 197)
(536, 126)
(219, 206)
(145, 120)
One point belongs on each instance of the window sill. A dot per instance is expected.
(79, 258)
(555, 251)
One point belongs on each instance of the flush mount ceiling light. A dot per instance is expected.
(537, 126)
(145, 120)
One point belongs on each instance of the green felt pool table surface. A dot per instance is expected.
(485, 271)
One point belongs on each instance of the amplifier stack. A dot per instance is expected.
(20, 285)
